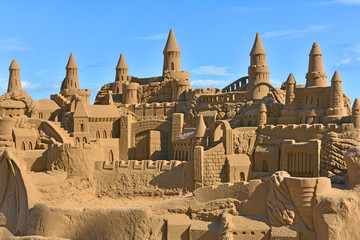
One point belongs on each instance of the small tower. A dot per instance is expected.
(258, 70)
(262, 117)
(71, 81)
(356, 113)
(336, 97)
(172, 61)
(199, 137)
(14, 77)
(316, 77)
(290, 90)
(130, 93)
(121, 75)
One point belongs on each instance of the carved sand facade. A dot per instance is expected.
(154, 158)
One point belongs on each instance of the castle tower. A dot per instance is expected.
(172, 61)
(130, 93)
(258, 70)
(121, 75)
(262, 117)
(316, 77)
(14, 77)
(356, 113)
(337, 97)
(290, 90)
(71, 81)
(199, 137)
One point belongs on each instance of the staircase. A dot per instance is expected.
(63, 132)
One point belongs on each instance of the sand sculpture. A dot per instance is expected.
(154, 158)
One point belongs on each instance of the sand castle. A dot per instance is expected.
(153, 158)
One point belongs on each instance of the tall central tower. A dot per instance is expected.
(172, 61)
(258, 70)
(316, 77)
(14, 77)
(71, 81)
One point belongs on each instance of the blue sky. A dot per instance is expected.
(215, 38)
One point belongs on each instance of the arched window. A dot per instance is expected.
(82, 127)
(23, 146)
(77, 140)
(30, 146)
(172, 66)
(98, 134)
(242, 176)
(104, 134)
(265, 166)
(111, 156)
(84, 140)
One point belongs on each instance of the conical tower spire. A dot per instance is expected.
(71, 63)
(14, 77)
(172, 61)
(200, 128)
(290, 90)
(171, 44)
(316, 77)
(258, 47)
(121, 63)
(290, 79)
(71, 81)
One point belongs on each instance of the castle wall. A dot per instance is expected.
(214, 165)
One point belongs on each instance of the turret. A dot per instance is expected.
(199, 137)
(179, 87)
(290, 90)
(356, 113)
(71, 81)
(172, 61)
(121, 75)
(130, 93)
(316, 77)
(258, 70)
(336, 97)
(14, 77)
(262, 117)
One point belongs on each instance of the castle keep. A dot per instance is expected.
(249, 143)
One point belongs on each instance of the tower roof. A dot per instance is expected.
(14, 65)
(258, 47)
(356, 105)
(262, 107)
(200, 128)
(315, 50)
(290, 79)
(336, 77)
(121, 63)
(71, 63)
(171, 44)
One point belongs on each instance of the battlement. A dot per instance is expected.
(157, 165)
(321, 128)
(232, 97)
(152, 109)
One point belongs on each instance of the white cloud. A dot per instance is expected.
(345, 2)
(343, 62)
(211, 70)
(159, 36)
(30, 86)
(295, 32)
(13, 44)
(209, 83)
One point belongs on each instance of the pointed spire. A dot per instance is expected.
(356, 105)
(200, 128)
(336, 77)
(315, 50)
(14, 65)
(290, 79)
(121, 63)
(258, 47)
(171, 44)
(71, 63)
